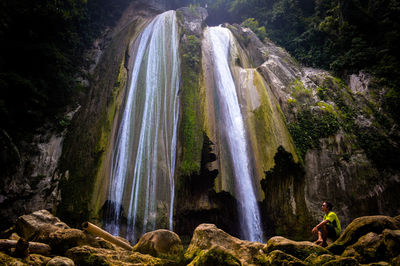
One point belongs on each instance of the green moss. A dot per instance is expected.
(300, 92)
(309, 128)
(215, 256)
(191, 124)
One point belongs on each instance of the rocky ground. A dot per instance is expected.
(42, 239)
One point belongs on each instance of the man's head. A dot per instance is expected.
(327, 206)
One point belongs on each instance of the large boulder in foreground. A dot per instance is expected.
(215, 256)
(38, 224)
(162, 244)
(208, 236)
(360, 227)
(300, 250)
(87, 255)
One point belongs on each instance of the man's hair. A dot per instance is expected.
(329, 205)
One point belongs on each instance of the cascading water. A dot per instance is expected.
(143, 166)
(233, 130)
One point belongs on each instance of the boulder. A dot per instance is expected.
(37, 259)
(301, 249)
(33, 226)
(391, 238)
(207, 236)
(369, 248)
(314, 259)
(162, 244)
(215, 256)
(62, 240)
(87, 255)
(360, 227)
(60, 261)
(278, 257)
(8, 260)
(342, 261)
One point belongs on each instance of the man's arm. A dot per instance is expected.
(315, 229)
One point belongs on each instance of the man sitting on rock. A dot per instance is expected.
(329, 227)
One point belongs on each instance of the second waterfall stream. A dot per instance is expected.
(233, 131)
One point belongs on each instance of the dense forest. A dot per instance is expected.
(43, 42)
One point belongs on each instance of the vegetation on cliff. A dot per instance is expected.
(344, 36)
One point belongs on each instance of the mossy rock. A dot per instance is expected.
(162, 244)
(342, 261)
(62, 240)
(313, 259)
(86, 255)
(391, 238)
(207, 236)
(278, 257)
(215, 256)
(301, 249)
(8, 260)
(369, 248)
(360, 227)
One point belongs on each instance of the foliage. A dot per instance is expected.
(41, 50)
(309, 128)
(253, 25)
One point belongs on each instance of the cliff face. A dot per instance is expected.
(312, 137)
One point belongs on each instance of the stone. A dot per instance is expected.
(62, 240)
(8, 260)
(207, 236)
(40, 222)
(278, 257)
(215, 256)
(60, 261)
(87, 255)
(193, 19)
(37, 259)
(301, 249)
(360, 227)
(369, 248)
(162, 244)
(313, 259)
(342, 261)
(391, 238)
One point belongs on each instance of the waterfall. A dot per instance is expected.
(233, 130)
(143, 165)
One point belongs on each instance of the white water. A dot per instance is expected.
(234, 131)
(142, 177)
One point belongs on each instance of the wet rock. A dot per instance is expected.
(360, 227)
(369, 248)
(391, 239)
(314, 259)
(278, 257)
(86, 255)
(37, 259)
(8, 260)
(60, 261)
(208, 236)
(41, 222)
(342, 261)
(192, 19)
(300, 250)
(161, 243)
(62, 240)
(215, 256)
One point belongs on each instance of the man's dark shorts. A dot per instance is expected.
(331, 232)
